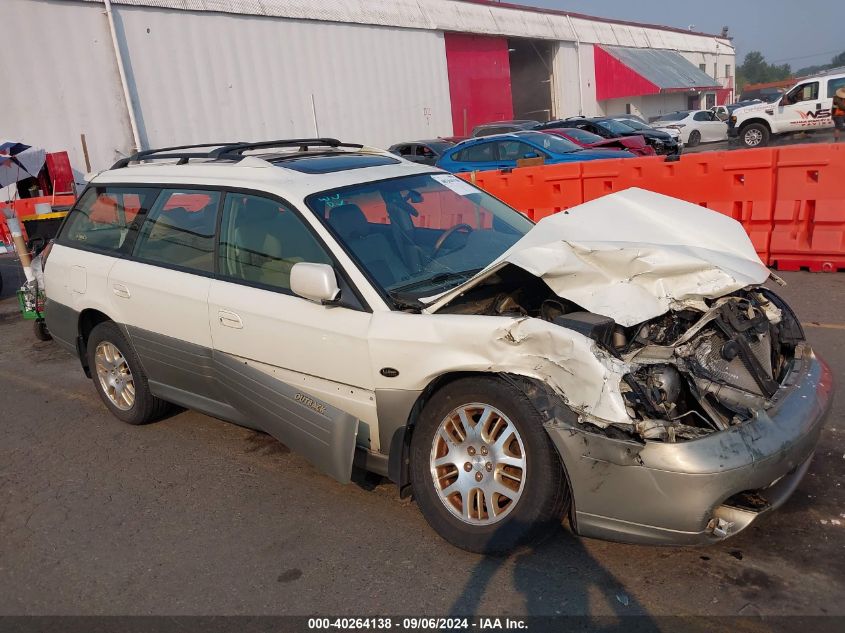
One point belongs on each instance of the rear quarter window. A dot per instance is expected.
(104, 218)
(833, 85)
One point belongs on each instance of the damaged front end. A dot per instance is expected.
(697, 373)
(679, 392)
(686, 427)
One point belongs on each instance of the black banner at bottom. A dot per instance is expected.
(401, 624)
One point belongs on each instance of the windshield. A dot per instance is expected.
(551, 142)
(418, 236)
(635, 124)
(675, 116)
(616, 127)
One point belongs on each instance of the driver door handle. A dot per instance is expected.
(230, 319)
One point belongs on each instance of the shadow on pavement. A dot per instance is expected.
(582, 586)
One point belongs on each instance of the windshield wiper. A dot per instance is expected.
(436, 280)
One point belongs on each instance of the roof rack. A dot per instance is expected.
(236, 151)
(229, 150)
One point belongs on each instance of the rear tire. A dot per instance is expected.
(119, 378)
(694, 138)
(754, 135)
(508, 485)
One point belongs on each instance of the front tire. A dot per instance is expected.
(754, 135)
(483, 469)
(119, 378)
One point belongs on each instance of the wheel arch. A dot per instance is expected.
(759, 120)
(89, 318)
(534, 389)
(398, 465)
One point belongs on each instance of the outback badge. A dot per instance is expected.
(309, 402)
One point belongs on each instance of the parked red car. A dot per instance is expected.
(634, 144)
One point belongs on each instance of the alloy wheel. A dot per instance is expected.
(115, 376)
(753, 137)
(478, 464)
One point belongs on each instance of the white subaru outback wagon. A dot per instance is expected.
(621, 363)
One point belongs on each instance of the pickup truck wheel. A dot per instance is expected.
(694, 138)
(119, 378)
(484, 471)
(754, 135)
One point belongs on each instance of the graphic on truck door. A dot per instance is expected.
(804, 108)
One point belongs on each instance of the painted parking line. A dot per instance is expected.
(826, 326)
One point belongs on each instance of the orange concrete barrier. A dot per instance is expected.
(791, 200)
(24, 207)
(535, 191)
(809, 210)
(739, 184)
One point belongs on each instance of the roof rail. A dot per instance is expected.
(228, 150)
(169, 152)
(236, 150)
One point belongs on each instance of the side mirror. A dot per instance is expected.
(315, 282)
(531, 155)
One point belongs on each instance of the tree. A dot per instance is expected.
(755, 69)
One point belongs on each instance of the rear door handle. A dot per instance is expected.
(120, 290)
(230, 319)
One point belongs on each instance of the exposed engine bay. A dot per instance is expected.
(692, 371)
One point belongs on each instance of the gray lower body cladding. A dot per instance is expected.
(63, 323)
(322, 433)
(675, 493)
(229, 388)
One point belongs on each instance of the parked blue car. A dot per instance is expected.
(502, 151)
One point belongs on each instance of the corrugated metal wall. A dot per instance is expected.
(230, 69)
(202, 76)
(59, 80)
(207, 75)
(448, 15)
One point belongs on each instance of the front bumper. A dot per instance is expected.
(698, 491)
(667, 148)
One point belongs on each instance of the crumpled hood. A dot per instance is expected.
(632, 256)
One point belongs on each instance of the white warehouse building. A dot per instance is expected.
(129, 74)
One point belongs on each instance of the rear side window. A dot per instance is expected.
(833, 85)
(179, 230)
(514, 150)
(477, 153)
(104, 218)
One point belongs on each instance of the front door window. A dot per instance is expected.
(261, 240)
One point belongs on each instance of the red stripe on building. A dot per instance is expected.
(479, 80)
(615, 80)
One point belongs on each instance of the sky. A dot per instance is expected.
(798, 32)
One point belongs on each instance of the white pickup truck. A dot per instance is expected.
(805, 108)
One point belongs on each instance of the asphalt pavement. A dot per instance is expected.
(192, 515)
(780, 141)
